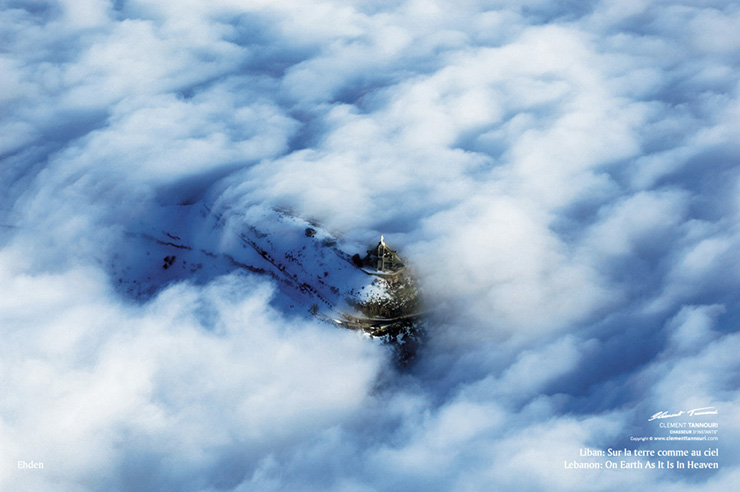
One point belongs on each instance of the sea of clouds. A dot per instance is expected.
(562, 175)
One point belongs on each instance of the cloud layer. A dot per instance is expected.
(562, 176)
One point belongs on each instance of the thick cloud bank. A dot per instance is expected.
(563, 176)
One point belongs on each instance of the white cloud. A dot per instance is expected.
(106, 379)
(562, 177)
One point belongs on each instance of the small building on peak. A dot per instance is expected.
(383, 258)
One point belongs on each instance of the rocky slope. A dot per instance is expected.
(317, 274)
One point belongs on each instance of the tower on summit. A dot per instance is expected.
(383, 258)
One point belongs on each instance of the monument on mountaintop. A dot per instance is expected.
(383, 258)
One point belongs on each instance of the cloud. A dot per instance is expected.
(120, 380)
(563, 178)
